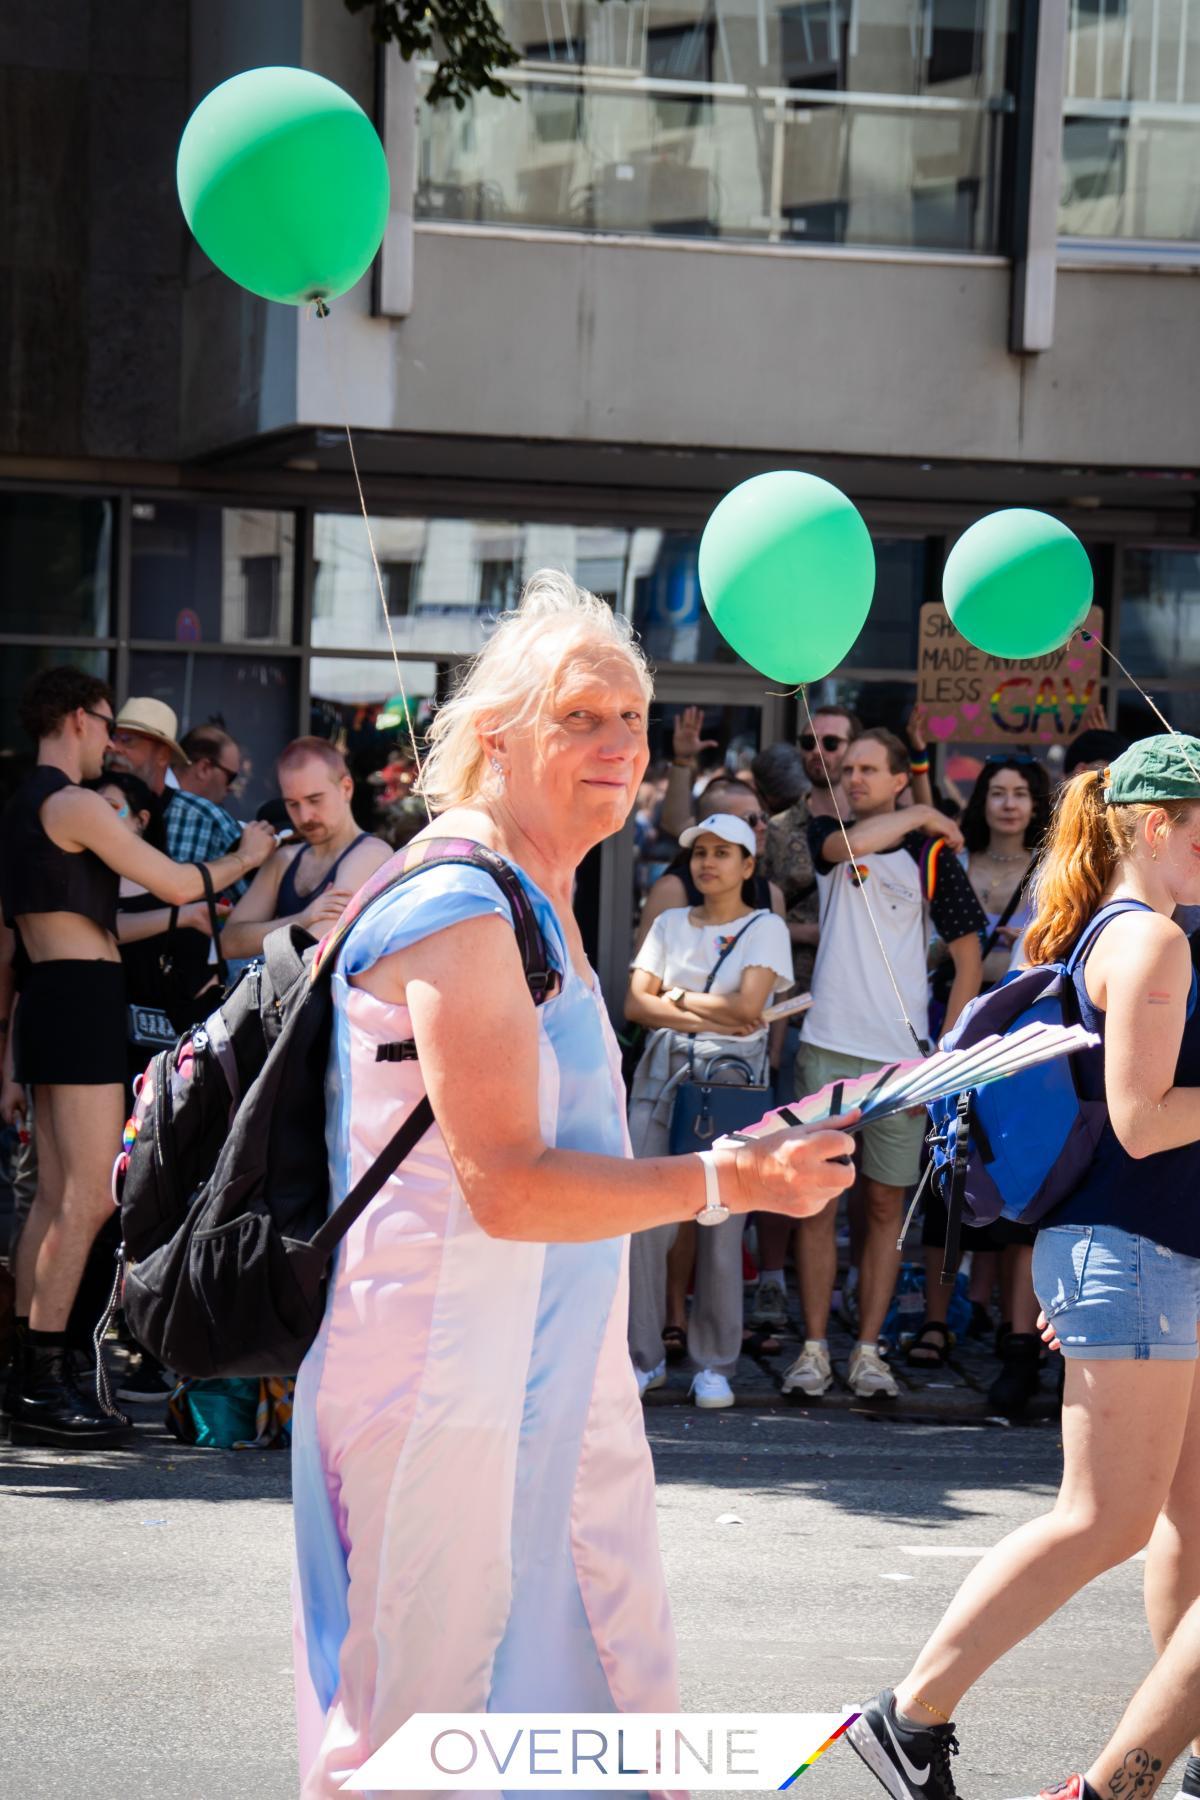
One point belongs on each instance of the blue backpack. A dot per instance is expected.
(1015, 1148)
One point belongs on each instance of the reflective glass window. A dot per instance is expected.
(18, 664)
(811, 122)
(443, 579)
(55, 565)
(1131, 121)
(254, 698)
(211, 574)
(1160, 611)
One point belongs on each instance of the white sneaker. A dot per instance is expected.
(869, 1376)
(711, 1390)
(769, 1306)
(810, 1372)
(650, 1378)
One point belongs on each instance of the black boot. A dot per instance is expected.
(46, 1406)
(15, 1373)
(1017, 1381)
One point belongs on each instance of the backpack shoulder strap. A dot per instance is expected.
(1095, 926)
(541, 978)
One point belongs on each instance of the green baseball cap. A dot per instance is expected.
(1166, 767)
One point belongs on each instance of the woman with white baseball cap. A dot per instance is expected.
(699, 982)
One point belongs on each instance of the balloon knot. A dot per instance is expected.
(322, 307)
(1087, 636)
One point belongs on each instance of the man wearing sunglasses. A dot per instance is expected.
(823, 747)
(199, 825)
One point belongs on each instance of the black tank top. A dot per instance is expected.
(35, 875)
(289, 901)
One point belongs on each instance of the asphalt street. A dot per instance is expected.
(145, 1624)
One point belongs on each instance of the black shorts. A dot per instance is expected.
(997, 1236)
(71, 1025)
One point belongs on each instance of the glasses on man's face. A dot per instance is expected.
(106, 719)
(231, 775)
(829, 742)
(753, 819)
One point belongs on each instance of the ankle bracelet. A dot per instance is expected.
(935, 1710)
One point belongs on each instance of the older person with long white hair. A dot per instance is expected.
(474, 1496)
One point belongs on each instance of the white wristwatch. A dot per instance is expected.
(712, 1212)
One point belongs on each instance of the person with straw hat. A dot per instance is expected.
(144, 743)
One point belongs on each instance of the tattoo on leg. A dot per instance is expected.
(1136, 1775)
(1157, 997)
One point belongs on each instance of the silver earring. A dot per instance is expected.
(498, 770)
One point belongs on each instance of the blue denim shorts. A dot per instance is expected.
(1111, 1294)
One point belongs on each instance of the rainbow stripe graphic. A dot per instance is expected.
(817, 1754)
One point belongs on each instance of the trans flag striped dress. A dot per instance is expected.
(473, 1490)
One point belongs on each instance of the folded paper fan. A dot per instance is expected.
(897, 1087)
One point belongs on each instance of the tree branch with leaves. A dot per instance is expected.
(464, 35)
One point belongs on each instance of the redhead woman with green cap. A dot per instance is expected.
(1116, 1265)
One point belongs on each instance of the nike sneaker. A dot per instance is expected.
(912, 1762)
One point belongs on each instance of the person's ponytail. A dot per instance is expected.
(1075, 869)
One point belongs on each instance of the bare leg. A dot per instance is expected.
(1123, 1427)
(774, 1230)
(1158, 1720)
(1172, 1580)
(880, 1262)
(47, 1200)
(983, 1276)
(86, 1127)
(816, 1268)
(681, 1262)
(937, 1291)
(1019, 1303)
(856, 1215)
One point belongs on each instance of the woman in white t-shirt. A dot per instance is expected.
(670, 993)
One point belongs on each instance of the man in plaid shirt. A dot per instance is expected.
(199, 829)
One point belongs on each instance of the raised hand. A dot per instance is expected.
(917, 729)
(686, 742)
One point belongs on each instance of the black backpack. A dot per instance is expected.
(223, 1181)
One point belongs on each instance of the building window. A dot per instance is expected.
(55, 565)
(499, 585)
(211, 574)
(739, 124)
(260, 577)
(399, 586)
(1131, 122)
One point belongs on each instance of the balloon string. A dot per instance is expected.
(322, 312)
(913, 1032)
(1094, 637)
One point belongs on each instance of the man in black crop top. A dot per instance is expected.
(308, 885)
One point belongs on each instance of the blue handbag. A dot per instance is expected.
(727, 1097)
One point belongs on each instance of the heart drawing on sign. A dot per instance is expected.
(1075, 663)
(970, 709)
(943, 727)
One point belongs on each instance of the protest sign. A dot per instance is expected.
(971, 697)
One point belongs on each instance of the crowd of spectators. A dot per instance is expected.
(845, 809)
(132, 892)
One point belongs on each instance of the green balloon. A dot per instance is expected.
(284, 182)
(787, 572)
(1017, 583)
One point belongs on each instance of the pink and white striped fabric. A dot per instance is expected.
(473, 1490)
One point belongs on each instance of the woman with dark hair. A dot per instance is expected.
(1003, 823)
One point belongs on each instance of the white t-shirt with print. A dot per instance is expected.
(683, 954)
